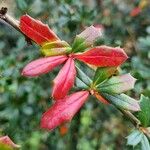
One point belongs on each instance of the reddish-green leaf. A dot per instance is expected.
(64, 80)
(63, 110)
(55, 48)
(117, 84)
(5, 140)
(36, 30)
(103, 56)
(86, 38)
(122, 101)
(103, 73)
(42, 65)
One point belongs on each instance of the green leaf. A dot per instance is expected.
(80, 84)
(145, 143)
(86, 39)
(83, 77)
(134, 138)
(144, 114)
(122, 101)
(103, 73)
(117, 84)
(21, 4)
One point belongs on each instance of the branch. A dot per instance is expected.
(14, 23)
(135, 121)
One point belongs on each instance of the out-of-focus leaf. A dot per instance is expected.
(145, 143)
(144, 114)
(5, 140)
(117, 84)
(21, 4)
(134, 138)
(103, 73)
(122, 101)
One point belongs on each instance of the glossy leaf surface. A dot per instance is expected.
(122, 101)
(103, 56)
(36, 30)
(117, 84)
(63, 110)
(64, 80)
(144, 114)
(42, 65)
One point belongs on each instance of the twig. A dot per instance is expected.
(136, 122)
(14, 23)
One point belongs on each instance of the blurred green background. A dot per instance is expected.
(23, 100)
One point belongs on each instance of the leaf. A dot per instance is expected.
(63, 110)
(103, 56)
(145, 143)
(55, 48)
(100, 98)
(103, 73)
(83, 77)
(7, 141)
(144, 114)
(86, 39)
(42, 65)
(122, 101)
(64, 80)
(117, 84)
(80, 84)
(134, 138)
(36, 30)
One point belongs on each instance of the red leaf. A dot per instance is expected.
(7, 141)
(135, 12)
(42, 65)
(63, 110)
(103, 56)
(36, 30)
(64, 80)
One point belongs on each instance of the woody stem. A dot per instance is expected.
(13, 22)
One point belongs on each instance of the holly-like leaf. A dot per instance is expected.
(55, 48)
(83, 77)
(42, 65)
(117, 84)
(145, 143)
(63, 110)
(103, 73)
(103, 56)
(86, 39)
(144, 114)
(134, 138)
(122, 101)
(80, 84)
(64, 80)
(5, 140)
(36, 30)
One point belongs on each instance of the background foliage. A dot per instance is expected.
(22, 100)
